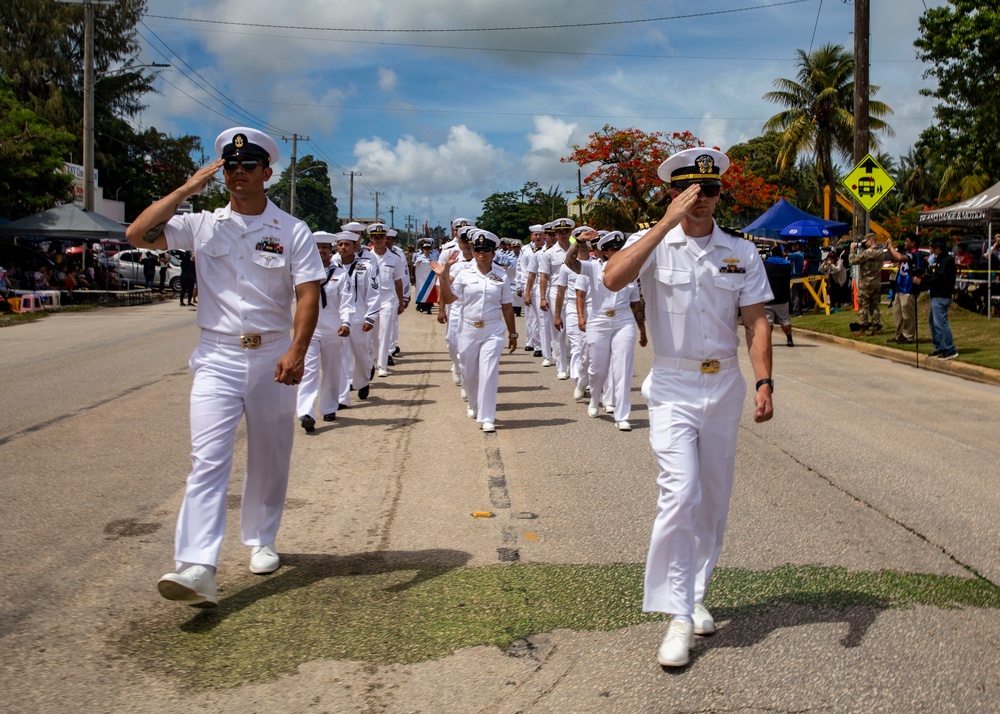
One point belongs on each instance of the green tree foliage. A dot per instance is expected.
(958, 40)
(509, 213)
(31, 159)
(41, 52)
(314, 200)
(819, 114)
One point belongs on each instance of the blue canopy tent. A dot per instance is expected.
(774, 219)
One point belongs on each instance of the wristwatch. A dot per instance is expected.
(513, 334)
(762, 382)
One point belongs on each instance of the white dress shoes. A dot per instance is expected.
(489, 427)
(546, 363)
(562, 375)
(675, 650)
(579, 393)
(383, 373)
(195, 586)
(264, 559)
(704, 623)
(593, 411)
(465, 395)
(623, 425)
(609, 408)
(471, 413)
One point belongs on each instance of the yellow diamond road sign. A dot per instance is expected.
(868, 182)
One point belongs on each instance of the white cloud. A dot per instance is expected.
(551, 140)
(386, 79)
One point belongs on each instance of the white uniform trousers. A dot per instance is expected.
(394, 337)
(577, 342)
(479, 350)
(532, 338)
(544, 326)
(357, 367)
(693, 422)
(607, 337)
(451, 332)
(230, 383)
(560, 343)
(326, 353)
(387, 315)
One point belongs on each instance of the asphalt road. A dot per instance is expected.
(868, 465)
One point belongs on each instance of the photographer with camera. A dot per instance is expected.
(868, 257)
(836, 276)
(904, 308)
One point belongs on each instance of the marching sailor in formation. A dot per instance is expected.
(549, 264)
(610, 328)
(568, 317)
(365, 291)
(391, 271)
(695, 279)
(529, 253)
(390, 241)
(326, 348)
(253, 259)
(534, 295)
(448, 313)
(424, 279)
(484, 296)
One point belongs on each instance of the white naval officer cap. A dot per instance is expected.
(377, 229)
(460, 222)
(563, 224)
(580, 230)
(613, 239)
(483, 240)
(697, 165)
(391, 233)
(244, 142)
(322, 237)
(464, 231)
(353, 227)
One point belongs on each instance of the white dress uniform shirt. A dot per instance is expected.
(367, 297)
(550, 263)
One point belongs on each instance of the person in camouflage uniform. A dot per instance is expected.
(868, 257)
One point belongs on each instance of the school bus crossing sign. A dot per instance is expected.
(869, 183)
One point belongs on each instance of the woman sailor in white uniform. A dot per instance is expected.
(611, 327)
(484, 296)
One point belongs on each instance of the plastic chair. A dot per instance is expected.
(31, 302)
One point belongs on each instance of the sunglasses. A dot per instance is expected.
(247, 164)
(482, 250)
(708, 190)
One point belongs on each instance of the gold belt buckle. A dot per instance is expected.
(478, 323)
(710, 366)
(609, 313)
(250, 342)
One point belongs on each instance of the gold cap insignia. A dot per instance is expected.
(239, 140)
(705, 163)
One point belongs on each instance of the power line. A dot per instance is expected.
(488, 29)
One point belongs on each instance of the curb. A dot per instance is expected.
(955, 368)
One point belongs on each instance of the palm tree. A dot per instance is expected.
(820, 110)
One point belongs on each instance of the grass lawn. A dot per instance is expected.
(19, 318)
(976, 337)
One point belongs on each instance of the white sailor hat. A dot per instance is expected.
(697, 165)
(346, 235)
(354, 227)
(244, 142)
(376, 229)
(563, 224)
(391, 233)
(580, 229)
(324, 237)
(464, 231)
(459, 222)
(614, 239)
(483, 240)
(537, 228)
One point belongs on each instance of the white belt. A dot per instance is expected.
(248, 341)
(707, 366)
(481, 323)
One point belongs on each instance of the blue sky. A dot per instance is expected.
(436, 117)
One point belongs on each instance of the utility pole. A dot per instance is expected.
(862, 21)
(579, 193)
(351, 202)
(376, 194)
(392, 216)
(88, 98)
(295, 148)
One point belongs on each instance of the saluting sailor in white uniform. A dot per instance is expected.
(485, 296)
(549, 264)
(326, 348)
(610, 327)
(362, 275)
(253, 259)
(695, 279)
